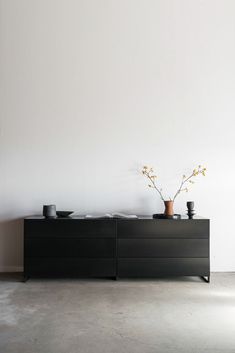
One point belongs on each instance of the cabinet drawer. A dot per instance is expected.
(163, 267)
(163, 228)
(163, 247)
(70, 227)
(70, 267)
(70, 247)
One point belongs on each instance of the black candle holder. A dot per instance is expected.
(190, 207)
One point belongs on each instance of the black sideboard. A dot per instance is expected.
(117, 248)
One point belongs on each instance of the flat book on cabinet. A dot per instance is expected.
(112, 215)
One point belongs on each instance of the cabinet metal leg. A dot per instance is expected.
(206, 279)
(25, 278)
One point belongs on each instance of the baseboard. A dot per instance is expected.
(11, 269)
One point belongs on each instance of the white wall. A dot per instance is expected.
(93, 89)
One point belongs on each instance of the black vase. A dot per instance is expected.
(190, 207)
(49, 211)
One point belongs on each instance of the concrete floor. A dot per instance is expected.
(182, 315)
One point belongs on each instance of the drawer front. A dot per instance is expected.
(163, 267)
(70, 247)
(163, 248)
(163, 228)
(70, 267)
(70, 227)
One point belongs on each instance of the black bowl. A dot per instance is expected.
(63, 213)
(163, 216)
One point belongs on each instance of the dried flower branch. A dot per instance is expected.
(185, 180)
(148, 172)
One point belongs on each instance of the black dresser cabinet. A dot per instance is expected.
(143, 247)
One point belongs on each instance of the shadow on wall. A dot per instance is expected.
(11, 245)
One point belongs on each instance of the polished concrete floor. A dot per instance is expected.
(182, 315)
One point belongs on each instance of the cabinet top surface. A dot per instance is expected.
(147, 217)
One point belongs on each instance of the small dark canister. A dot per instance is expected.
(49, 211)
